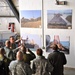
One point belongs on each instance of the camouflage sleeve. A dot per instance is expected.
(33, 68)
(32, 55)
(49, 67)
(12, 65)
(29, 71)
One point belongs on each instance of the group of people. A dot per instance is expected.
(16, 60)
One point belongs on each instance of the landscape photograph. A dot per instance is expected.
(63, 43)
(31, 41)
(59, 19)
(31, 18)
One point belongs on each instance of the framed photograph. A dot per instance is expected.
(63, 43)
(11, 27)
(59, 19)
(32, 41)
(31, 18)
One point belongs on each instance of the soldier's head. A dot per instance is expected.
(54, 46)
(7, 43)
(39, 52)
(12, 40)
(23, 48)
(2, 51)
(19, 55)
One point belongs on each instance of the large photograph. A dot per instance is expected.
(59, 19)
(31, 18)
(31, 41)
(63, 43)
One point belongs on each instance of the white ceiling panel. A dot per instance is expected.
(5, 9)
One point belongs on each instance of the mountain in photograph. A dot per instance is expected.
(59, 21)
(32, 22)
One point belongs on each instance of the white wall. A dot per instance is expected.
(49, 5)
(4, 23)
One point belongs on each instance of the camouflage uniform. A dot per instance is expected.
(19, 68)
(41, 66)
(28, 57)
(9, 53)
(4, 62)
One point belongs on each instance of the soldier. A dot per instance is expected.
(57, 59)
(14, 43)
(4, 62)
(19, 67)
(9, 52)
(27, 56)
(40, 65)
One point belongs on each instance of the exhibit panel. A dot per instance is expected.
(56, 23)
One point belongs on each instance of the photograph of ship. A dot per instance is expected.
(59, 19)
(31, 41)
(31, 18)
(63, 43)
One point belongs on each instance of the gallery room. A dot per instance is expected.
(39, 23)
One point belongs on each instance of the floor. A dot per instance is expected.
(69, 71)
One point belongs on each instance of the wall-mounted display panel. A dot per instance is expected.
(31, 41)
(31, 18)
(59, 19)
(63, 42)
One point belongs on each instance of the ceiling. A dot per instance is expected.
(9, 8)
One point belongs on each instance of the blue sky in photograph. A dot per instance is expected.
(35, 37)
(59, 11)
(30, 13)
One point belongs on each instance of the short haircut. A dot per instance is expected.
(54, 47)
(23, 48)
(2, 50)
(39, 52)
(19, 55)
(11, 37)
(7, 42)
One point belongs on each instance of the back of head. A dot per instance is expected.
(39, 52)
(2, 51)
(7, 43)
(23, 48)
(19, 55)
(54, 47)
(11, 37)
